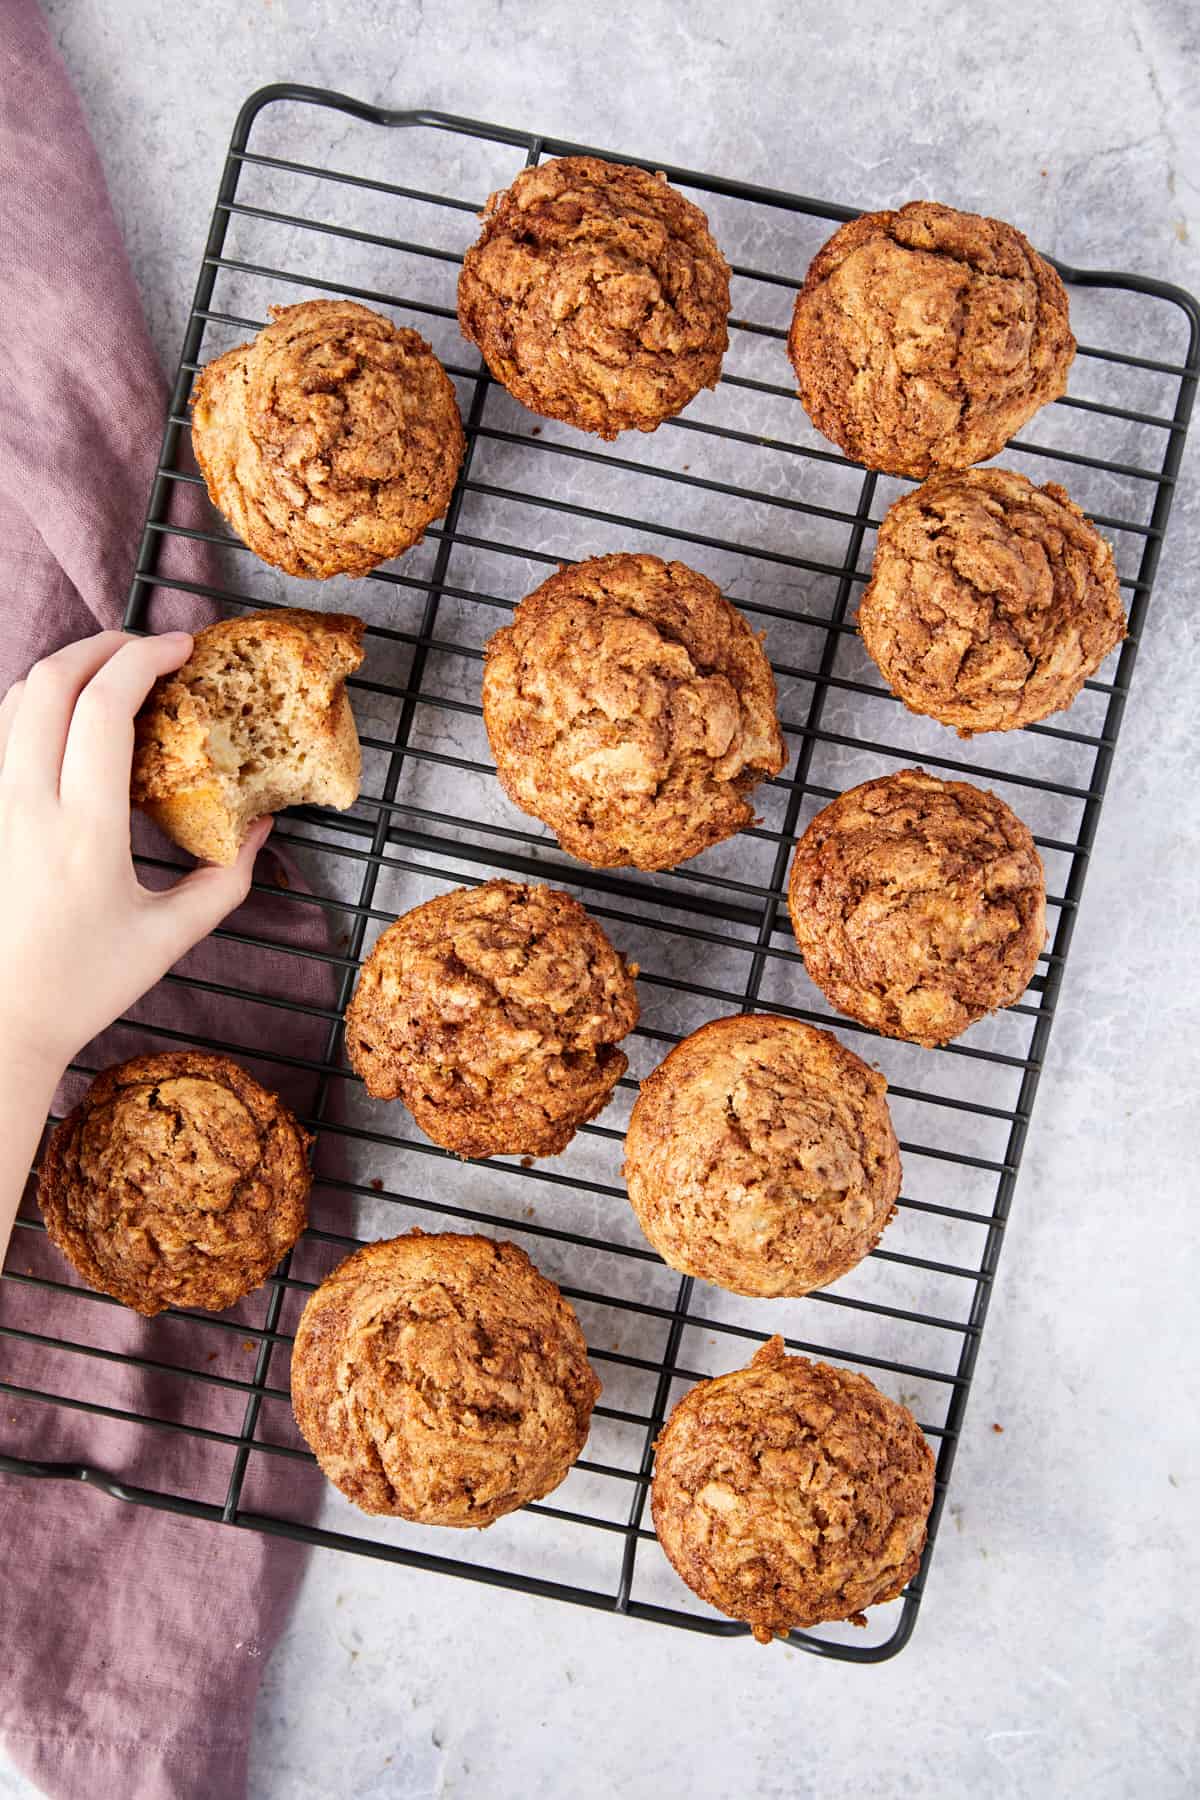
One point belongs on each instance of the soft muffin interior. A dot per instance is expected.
(269, 736)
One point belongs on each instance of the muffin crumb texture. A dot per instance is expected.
(596, 295)
(257, 719)
(924, 339)
(177, 1181)
(789, 1494)
(631, 707)
(761, 1156)
(330, 441)
(441, 1378)
(991, 601)
(919, 905)
(495, 1013)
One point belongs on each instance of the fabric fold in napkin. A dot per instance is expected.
(132, 1641)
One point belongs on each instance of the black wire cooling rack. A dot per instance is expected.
(338, 197)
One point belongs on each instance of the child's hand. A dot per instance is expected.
(80, 938)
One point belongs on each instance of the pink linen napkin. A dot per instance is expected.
(132, 1642)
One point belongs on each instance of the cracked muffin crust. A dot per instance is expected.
(924, 339)
(177, 1181)
(495, 1013)
(919, 905)
(632, 709)
(330, 441)
(760, 1156)
(596, 295)
(256, 719)
(991, 600)
(790, 1493)
(442, 1378)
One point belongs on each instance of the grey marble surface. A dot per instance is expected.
(1057, 1648)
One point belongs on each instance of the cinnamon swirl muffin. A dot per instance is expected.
(442, 1379)
(596, 295)
(919, 905)
(760, 1156)
(924, 339)
(991, 601)
(177, 1181)
(330, 441)
(631, 707)
(495, 1013)
(789, 1493)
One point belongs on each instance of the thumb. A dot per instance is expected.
(197, 904)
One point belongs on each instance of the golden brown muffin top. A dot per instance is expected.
(632, 708)
(924, 339)
(495, 1013)
(177, 1181)
(596, 295)
(918, 905)
(761, 1156)
(442, 1378)
(789, 1493)
(330, 441)
(991, 601)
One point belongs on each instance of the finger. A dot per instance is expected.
(39, 724)
(99, 748)
(197, 904)
(8, 712)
